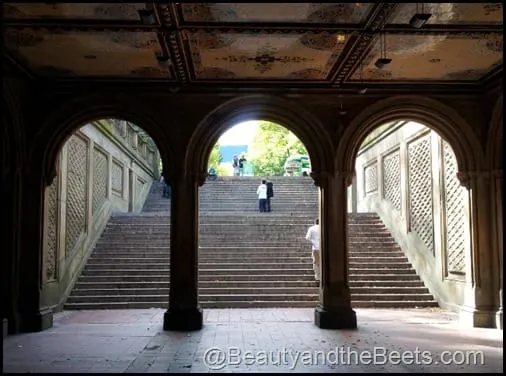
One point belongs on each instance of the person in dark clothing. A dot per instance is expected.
(241, 165)
(166, 187)
(270, 194)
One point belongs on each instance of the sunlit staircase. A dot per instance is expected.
(246, 258)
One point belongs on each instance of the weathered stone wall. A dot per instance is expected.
(104, 167)
(408, 175)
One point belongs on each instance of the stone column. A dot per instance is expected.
(334, 310)
(32, 317)
(478, 309)
(184, 312)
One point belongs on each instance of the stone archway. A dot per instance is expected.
(434, 114)
(281, 111)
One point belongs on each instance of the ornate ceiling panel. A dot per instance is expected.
(130, 54)
(97, 11)
(298, 45)
(308, 56)
(451, 13)
(344, 13)
(466, 57)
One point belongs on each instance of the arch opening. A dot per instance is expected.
(253, 250)
(406, 194)
(106, 220)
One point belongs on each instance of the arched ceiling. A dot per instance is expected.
(296, 45)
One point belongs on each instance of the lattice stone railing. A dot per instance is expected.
(420, 190)
(371, 178)
(77, 182)
(454, 218)
(392, 179)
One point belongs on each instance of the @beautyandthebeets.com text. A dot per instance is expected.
(216, 358)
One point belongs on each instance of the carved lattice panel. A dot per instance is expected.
(392, 179)
(100, 177)
(51, 227)
(117, 178)
(77, 181)
(454, 213)
(420, 190)
(371, 178)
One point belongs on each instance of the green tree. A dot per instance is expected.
(270, 147)
(215, 158)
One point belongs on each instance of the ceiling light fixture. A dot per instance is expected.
(420, 18)
(162, 59)
(341, 37)
(147, 16)
(383, 60)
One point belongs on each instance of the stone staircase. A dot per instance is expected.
(246, 258)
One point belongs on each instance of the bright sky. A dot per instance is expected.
(240, 134)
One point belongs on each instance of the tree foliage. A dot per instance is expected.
(270, 147)
(215, 158)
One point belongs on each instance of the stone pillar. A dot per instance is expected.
(479, 307)
(334, 310)
(32, 317)
(184, 312)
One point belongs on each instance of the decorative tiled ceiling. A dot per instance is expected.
(309, 56)
(343, 13)
(434, 57)
(90, 11)
(323, 45)
(451, 13)
(124, 54)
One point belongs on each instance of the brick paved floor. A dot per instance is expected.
(254, 340)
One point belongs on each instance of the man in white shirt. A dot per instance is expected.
(262, 197)
(313, 235)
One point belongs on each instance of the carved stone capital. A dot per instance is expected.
(466, 177)
(321, 178)
(346, 176)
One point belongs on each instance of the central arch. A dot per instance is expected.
(277, 110)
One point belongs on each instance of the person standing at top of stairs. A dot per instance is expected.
(262, 196)
(270, 194)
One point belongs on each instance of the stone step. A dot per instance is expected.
(288, 291)
(161, 283)
(136, 278)
(202, 284)
(384, 276)
(215, 272)
(250, 304)
(392, 297)
(205, 260)
(370, 271)
(203, 304)
(165, 298)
